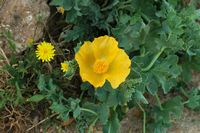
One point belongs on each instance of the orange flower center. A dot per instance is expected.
(100, 66)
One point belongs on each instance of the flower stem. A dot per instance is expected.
(50, 67)
(144, 117)
(145, 17)
(142, 51)
(81, 96)
(184, 92)
(158, 100)
(88, 110)
(186, 102)
(154, 60)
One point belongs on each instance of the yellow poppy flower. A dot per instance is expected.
(45, 51)
(64, 67)
(103, 60)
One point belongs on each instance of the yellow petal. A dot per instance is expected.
(85, 58)
(85, 55)
(119, 69)
(45, 51)
(97, 80)
(105, 47)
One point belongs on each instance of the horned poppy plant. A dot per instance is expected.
(45, 51)
(103, 60)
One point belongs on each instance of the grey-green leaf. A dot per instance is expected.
(36, 98)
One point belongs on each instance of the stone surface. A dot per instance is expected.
(24, 19)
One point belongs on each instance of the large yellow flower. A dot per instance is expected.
(103, 60)
(45, 51)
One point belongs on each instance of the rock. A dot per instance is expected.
(24, 19)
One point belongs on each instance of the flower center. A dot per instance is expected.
(100, 66)
(45, 51)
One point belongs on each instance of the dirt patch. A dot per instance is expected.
(189, 123)
(132, 123)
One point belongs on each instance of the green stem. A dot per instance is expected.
(154, 60)
(88, 110)
(145, 17)
(144, 117)
(186, 102)
(50, 67)
(126, 2)
(142, 51)
(158, 100)
(105, 3)
(184, 92)
(124, 6)
(81, 96)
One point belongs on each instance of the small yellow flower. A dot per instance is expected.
(45, 51)
(64, 67)
(60, 10)
(103, 60)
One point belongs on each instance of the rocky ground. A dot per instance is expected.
(188, 123)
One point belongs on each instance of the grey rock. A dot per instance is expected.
(23, 19)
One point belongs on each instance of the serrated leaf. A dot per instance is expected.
(68, 4)
(56, 107)
(41, 83)
(20, 98)
(112, 99)
(163, 72)
(56, 2)
(73, 34)
(76, 112)
(103, 114)
(120, 96)
(140, 97)
(151, 83)
(193, 99)
(166, 71)
(172, 109)
(186, 71)
(174, 106)
(51, 86)
(102, 94)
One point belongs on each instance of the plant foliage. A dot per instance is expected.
(162, 39)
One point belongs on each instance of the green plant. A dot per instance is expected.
(161, 36)
(162, 41)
